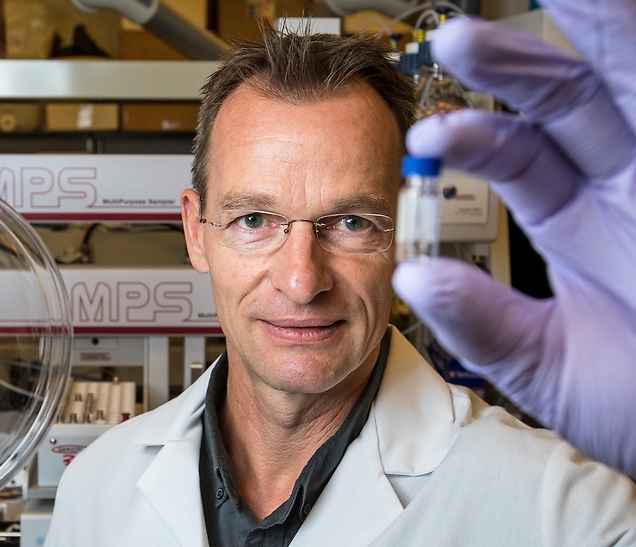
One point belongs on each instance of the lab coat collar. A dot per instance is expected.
(173, 490)
(174, 420)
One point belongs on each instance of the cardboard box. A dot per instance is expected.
(238, 20)
(159, 117)
(141, 45)
(20, 117)
(33, 25)
(3, 40)
(138, 44)
(193, 11)
(81, 117)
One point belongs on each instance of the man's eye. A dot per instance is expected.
(352, 223)
(253, 221)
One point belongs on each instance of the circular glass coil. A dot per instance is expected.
(35, 342)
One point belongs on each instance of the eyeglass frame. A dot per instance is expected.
(317, 225)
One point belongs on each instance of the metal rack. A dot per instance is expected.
(98, 81)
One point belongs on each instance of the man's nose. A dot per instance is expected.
(301, 266)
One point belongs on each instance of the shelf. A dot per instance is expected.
(103, 80)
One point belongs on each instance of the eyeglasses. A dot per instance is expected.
(259, 231)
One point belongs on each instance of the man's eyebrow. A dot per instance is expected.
(233, 201)
(370, 203)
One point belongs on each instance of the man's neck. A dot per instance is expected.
(271, 435)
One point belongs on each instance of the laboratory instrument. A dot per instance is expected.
(439, 92)
(89, 409)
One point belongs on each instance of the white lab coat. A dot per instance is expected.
(432, 466)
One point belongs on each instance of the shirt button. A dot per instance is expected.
(220, 493)
(306, 508)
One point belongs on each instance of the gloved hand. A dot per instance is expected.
(566, 169)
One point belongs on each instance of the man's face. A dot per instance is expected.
(299, 319)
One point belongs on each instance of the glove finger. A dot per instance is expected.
(604, 33)
(496, 331)
(548, 86)
(535, 181)
(470, 313)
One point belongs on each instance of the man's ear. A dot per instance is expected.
(194, 230)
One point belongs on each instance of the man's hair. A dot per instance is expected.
(297, 68)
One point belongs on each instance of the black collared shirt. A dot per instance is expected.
(228, 519)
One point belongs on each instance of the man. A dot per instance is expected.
(321, 425)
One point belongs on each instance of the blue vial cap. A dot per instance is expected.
(427, 167)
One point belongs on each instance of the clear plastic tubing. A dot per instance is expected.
(419, 210)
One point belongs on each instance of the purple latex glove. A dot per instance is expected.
(566, 170)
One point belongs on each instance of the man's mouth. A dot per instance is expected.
(302, 330)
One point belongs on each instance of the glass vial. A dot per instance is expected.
(419, 210)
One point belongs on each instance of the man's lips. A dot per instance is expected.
(302, 330)
(301, 322)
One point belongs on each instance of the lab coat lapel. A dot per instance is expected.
(357, 504)
(170, 484)
(411, 428)
(416, 415)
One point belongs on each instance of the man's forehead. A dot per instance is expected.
(254, 97)
(268, 138)
(248, 112)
